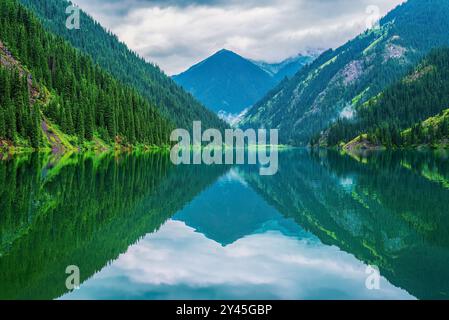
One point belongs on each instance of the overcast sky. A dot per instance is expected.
(176, 34)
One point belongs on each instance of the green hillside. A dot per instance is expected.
(48, 87)
(433, 131)
(421, 94)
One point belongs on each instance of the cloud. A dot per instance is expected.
(175, 34)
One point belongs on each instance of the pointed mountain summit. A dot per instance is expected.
(228, 83)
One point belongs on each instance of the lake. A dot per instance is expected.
(138, 227)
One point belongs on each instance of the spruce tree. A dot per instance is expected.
(35, 128)
(10, 122)
(2, 123)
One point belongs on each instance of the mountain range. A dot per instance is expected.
(228, 83)
(339, 80)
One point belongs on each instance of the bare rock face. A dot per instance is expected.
(361, 143)
(352, 72)
(394, 51)
(6, 58)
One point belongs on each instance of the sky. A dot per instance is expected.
(176, 34)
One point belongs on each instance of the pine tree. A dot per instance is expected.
(52, 110)
(35, 128)
(10, 121)
(80, 131)
(89, 128)
(2, 123)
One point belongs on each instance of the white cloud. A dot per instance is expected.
(178, 34)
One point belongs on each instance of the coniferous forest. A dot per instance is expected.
(43, 78)
(18, 120)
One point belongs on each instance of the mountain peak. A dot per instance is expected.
(225, 51)
(228, 83)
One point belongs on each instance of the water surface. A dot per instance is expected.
(140, 228)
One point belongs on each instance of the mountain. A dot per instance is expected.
(53, 96)
(404, 106)
(228, 83)
(113, 56)
(340, 79)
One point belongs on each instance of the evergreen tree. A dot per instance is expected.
(10, 122)
(35, 131)
(2, 123)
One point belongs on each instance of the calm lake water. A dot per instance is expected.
(140, 228)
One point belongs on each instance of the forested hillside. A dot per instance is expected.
(422, 94)
(17, 119)
(433, 131)
(114, 56)
(67, 89)
(340, 79)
